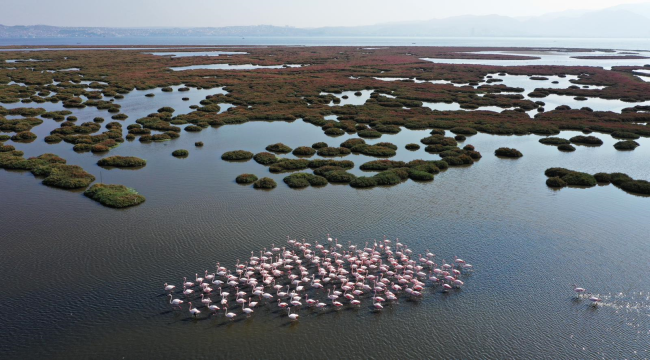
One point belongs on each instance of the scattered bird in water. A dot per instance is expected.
(327, 275)
(594, 299)
(579, 291)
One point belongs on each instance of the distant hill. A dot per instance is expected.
(629, 21)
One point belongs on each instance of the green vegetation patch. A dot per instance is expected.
(304, 151)
(554, 141)
(122, 161)
(301, 180)
(374, 150)
(412, 146)
(237, 155)
(286, 165)
(265, 158)
(566, 147)
(115, 196)
(586, 140)
(332, 151)
(626, 145)
(265, 183)
(180, 153)
(350, 143)
(246, 179)
(508, 152)
(279, 148)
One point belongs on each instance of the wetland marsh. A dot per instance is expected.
(328, 148)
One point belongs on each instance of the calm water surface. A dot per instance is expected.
(83, 281)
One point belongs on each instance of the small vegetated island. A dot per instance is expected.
(561, 177)
(311, 94)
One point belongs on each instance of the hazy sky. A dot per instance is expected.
(300, 13)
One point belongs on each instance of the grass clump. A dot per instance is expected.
(338, 176)
(319, 145)
(586, 140)
(566, 147)
(559, 172)
(603, 178)
(412, 146)
(388, 177)
(636, 186)
(318, 163)
(302, 180)
(555, 182)
(350, 143)
(419, 175)
(265, 158)
(24, 136)
(579, 179)
(439, 140)
(626, 145)
(619, 178)
(64, 176)
(115, 196)
(381, 165)
(279, 148)
(286, 165)
(374, 150)
(334, 132)
(554, 141)
(246, 179)
(463, 130)
(181, 153)
(364, 182)
(625, 135)
(198, 144)
(304, 151)
(332, 151)
(237, 155)
(508, 152)
(369, 133)
(122, 161)
(265, 183)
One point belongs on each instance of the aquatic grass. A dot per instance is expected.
(237, 155)
(122, 161)
(626, 145)
(508, 152)
(302, 180)
(246, 179)
(265, 183)
(279, 148)
(115, 196)
(304, 151)
(180, 153)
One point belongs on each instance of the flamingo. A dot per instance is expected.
(246, 310)
(292, 317)
(205, 301)
(175, 302)
(229, 315)
(594, 300)
(194, 311)
(169, 287)
(213, 308)
(578, 290)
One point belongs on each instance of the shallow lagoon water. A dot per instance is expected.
(233, 67)
(83, 281)
(564, 58)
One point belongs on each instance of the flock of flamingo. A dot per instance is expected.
(328, 275)
(580, 291)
